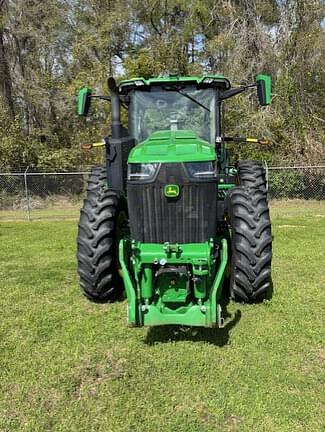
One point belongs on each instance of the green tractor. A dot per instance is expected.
(169, 219)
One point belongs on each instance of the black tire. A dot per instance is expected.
(97, 178)
(97, 242)
(251, 245)
(251, 174)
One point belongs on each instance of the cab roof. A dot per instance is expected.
(203, 81)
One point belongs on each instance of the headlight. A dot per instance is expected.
(142, 171)
(202, 170)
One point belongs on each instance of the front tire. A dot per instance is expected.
(251, 244)
(101, 219)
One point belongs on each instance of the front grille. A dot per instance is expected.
(189, 218)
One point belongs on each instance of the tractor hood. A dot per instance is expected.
(172, 146)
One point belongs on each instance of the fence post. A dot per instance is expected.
(26, 193)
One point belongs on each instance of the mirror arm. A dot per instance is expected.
(233, 92)
(108, 98)
(123, 98)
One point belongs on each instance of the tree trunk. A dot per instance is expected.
(5, 79)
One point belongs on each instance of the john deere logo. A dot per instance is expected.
(171, 191)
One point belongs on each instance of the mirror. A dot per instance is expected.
(83, 101)
(263, 83)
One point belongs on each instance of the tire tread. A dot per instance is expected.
(96, 244)
(251, 244)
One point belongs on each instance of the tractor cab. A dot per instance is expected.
(174, 103)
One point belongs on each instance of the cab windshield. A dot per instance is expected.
(168, 108)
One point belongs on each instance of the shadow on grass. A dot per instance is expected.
(175, 333)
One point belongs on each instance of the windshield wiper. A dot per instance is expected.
(175, 89)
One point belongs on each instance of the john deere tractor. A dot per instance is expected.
(169, 219)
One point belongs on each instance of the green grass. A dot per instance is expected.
(51, 212)
(69, 365)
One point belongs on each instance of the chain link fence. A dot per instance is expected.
(296, 182)
(58, 195)
(43, 195)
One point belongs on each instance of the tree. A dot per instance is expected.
(49, 49)
(5, 76)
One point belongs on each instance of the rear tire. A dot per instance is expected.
(252, 175)
(251, 244)
(101, 217)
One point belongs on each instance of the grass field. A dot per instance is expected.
(69, 365)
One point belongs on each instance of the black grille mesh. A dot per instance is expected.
(189, 218)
